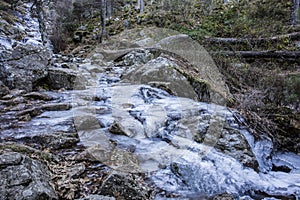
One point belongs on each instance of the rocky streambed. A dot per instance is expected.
(124, 134)
(142, 116)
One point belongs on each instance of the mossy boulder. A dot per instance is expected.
(193, 60)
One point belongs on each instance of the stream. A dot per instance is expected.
(158, 129)
(184, 147)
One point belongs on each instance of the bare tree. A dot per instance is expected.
(140, 5)
(295, 12)
(103, 20)
(109, 8)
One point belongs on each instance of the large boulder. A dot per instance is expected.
(24, 65)
(192, 60)
(160, 72)
(61, 78)
(24, 178)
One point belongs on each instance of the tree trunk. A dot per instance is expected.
(291, 36)
(103, 20)
(109, 8)
(295, 12)
(142, 4)
(262, 54)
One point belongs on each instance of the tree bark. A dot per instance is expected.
(109, 8)
(262, 54)
(295, 12)
(140, 5)
(103, 20)
(292, 36)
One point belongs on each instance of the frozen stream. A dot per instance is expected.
(187, 148)
(159, 131)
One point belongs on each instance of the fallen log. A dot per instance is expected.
(261, 54)
(291, 36)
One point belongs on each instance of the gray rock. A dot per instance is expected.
(56, 106)
(14, 101)
(127, 186)
(86, 122)
(116, 128)
(230, 141)
(55, 140)
(35, 111)
(97, 197)
(24, 66)
(3, 89)
(160, 72)
(38, 95)
(24, 178)
(233, 143)
(137, 57)
(61, 78)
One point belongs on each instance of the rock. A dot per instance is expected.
(3, 89)
(92, 68)
(137, 57)
(192, 60)
(125, 186)
(159, 72)
(13, 94)
(86, 122)
(56, 140)
(117, 128)
(14, 101)
(97, 197)
(31, 111)
(7, 97)
(230, 141)
(127, 126)
(126, 23)
(24, 66)
(10, 159)
(56, 106)
(25, 118)
(61, 78)
(223, 197)
(24, 178)
(38, 96)
(233, 143)
(108, 154)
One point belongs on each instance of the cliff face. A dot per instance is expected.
(25, 49)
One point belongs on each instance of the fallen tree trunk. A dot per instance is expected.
(262, 54)
(291, 36)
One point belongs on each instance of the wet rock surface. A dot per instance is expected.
(24, 178)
